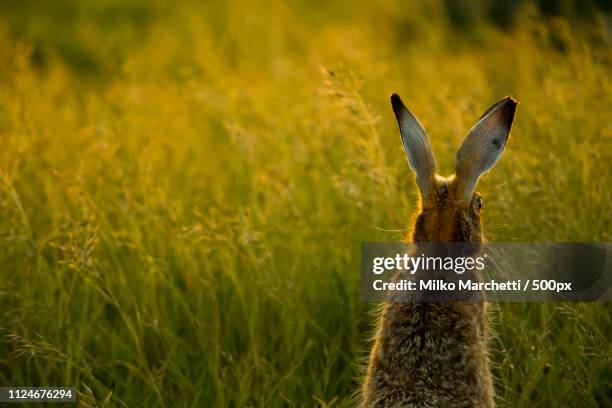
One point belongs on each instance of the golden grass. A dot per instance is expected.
(183, 193)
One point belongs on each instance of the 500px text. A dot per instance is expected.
(469, 285)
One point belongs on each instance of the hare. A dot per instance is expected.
(435, 354)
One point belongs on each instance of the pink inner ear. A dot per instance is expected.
(483, 145)
(416, 145)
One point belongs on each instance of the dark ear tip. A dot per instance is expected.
(396, 103)
(508, 110)
(510, 102)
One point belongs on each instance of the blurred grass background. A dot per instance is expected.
(184, 188)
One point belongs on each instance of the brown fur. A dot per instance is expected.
(433, 354)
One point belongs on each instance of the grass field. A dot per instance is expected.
(183, 191)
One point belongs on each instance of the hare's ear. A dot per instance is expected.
(416, 145)
(483, 146)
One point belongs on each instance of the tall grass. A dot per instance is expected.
(183, 192)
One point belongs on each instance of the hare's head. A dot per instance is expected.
(450, 207)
